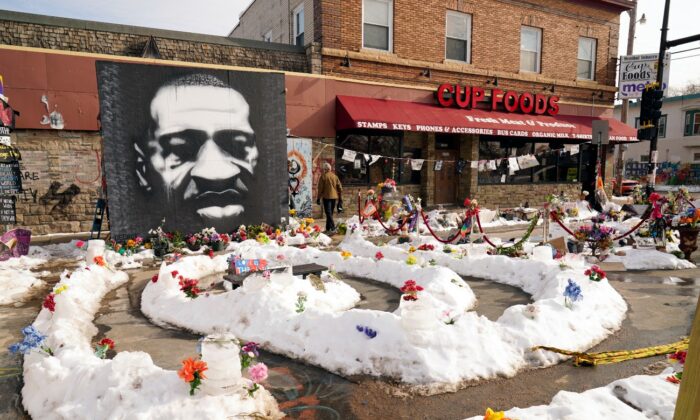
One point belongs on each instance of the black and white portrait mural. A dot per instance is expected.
(198, 147)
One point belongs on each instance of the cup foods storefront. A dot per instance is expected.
(503, 148)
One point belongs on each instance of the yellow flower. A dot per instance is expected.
(495, 415)
(345, 254)
(130, 243)
(292, 212)
(278, 232)
(60, 289)
(411, 249)
(147, 245)
(411, 260)
(309, 221)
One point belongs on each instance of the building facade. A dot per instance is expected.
(279, 21)
(556, 48)
(678, 142)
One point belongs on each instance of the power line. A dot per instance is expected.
(687, 56)
(689, 49)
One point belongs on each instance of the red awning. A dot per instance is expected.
(384, 114)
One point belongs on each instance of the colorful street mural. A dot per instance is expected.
(300, 179)
(667, 173)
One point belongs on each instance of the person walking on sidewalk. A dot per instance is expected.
(329, 191)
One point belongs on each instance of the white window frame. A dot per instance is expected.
(594, 51)
(538, 68)
(390, 7)
(469, 36)
(299, 10)
(268, 36)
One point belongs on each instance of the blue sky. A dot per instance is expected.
(218, 17)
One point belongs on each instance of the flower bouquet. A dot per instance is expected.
(388, 186)
(194, 241)
(688, 226)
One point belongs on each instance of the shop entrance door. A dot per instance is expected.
(445, 178)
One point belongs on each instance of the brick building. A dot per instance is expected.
(337, 86)
(556, 48)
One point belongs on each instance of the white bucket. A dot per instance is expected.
(96, 248)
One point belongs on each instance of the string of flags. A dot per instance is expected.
(514, 163)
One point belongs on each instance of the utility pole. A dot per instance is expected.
(653, 143)
(620, 164)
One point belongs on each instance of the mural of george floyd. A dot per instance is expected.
(196, 147)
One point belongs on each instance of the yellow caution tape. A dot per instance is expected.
(603, 358)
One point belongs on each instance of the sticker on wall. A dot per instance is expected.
(438, 166)
(349, 155)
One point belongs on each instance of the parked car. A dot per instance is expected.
(628, 186)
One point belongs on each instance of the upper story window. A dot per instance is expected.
(458, 29)
(586, 58)
(377, 24)
(530, 49)
(268, 36)
(692, 123)
(298, 16)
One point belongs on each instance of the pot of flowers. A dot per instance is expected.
(599, 237)
(216, 243)
(222, 355)
(194, 242)
(688, 228)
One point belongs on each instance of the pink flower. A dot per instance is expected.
(378, 256)
(80, 244)
(258, 372)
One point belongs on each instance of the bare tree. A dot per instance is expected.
(690, 88)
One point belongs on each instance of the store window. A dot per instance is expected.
(388, 147)
(586, 58)
(530, 49)
(299, 25)
(692, 123)
(662, 126)
(377, 17)
(555, 165)
(458, 28)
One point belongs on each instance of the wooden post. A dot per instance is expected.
(688, 403)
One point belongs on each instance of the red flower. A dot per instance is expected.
(410, 290)
(80, 244)
(679, 356)
(654, 197)
(49, 302)
(107, 342)
(190, 368)
(174, 273)
(426, 247)
(378, 256)
(467, 202)
(154, 279)
(410, 297)
(211, 253)
(99, 261)
(673, 379)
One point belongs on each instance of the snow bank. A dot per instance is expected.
(648, 259)
(636, 397)
(74, 383)
(17, 281)
(414, 344)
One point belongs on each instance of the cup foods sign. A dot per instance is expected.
(636, 71)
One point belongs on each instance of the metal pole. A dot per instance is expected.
(653, 143)
(619, 166)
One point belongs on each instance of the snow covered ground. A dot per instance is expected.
(74, 383)
(638, 397)
(435, 344)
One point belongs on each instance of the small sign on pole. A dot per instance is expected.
(601, 130)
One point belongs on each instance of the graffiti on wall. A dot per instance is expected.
(667, 173)
(53, 119)
(60, 199)
(299, 171)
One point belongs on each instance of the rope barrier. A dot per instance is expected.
(515, 246)
(603, 358)
(645, 217)
(444, 241)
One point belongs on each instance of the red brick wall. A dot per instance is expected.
(419, 35)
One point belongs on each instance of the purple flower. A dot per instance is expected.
(359, 328)
(250, 347)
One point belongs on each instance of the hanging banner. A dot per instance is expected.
(10, 178)
(416, 164)
(349, 155)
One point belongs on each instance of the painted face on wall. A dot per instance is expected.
(203, 149)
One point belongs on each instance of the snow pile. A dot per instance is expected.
(637, 397)
(435, 344)
(17, 280)
(648, 259)
(74, 383)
